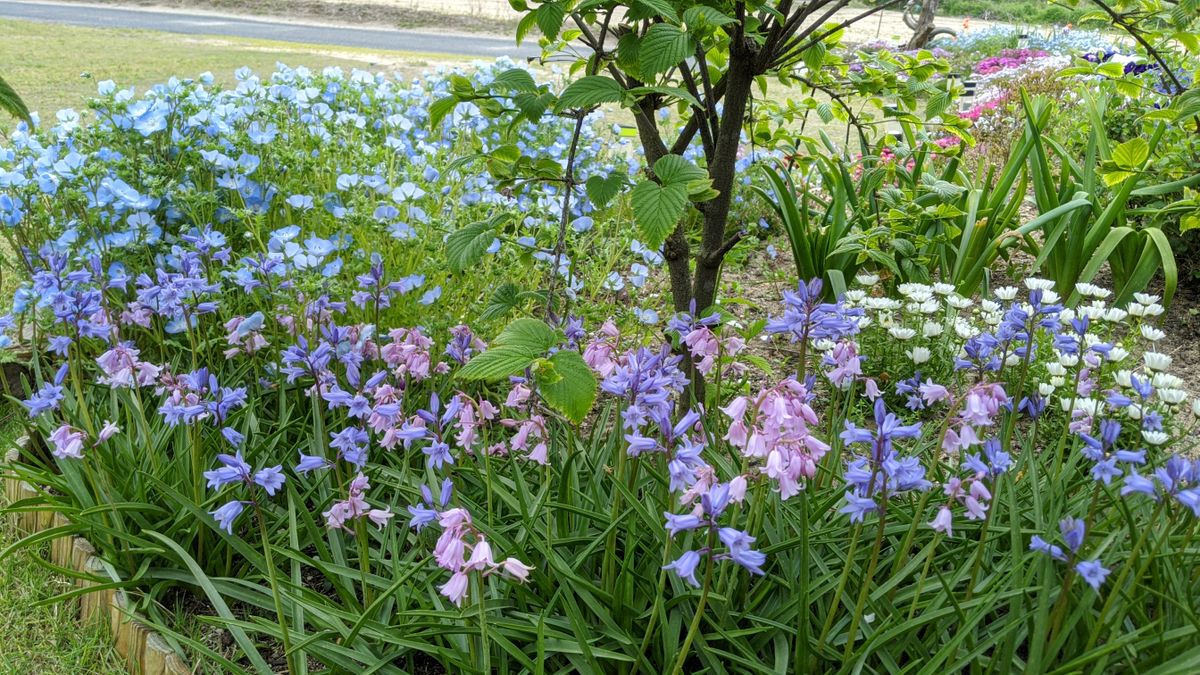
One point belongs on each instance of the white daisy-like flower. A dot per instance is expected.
(990, 306)
(1166, 381)
(958, 302)
(1133, 411)
(930, 306)
(1006, 292)
(823, 344)
(1068, 360)
(864, 321)
(1146, 298)
(1056, 368)
(1196, 407)
(963, 329)
(1115, 315)
(931, 329)
(1157, 360)
(1123, 378)
(1152, 334)
(1049, 297)
(918, 292)
(1155, 437)
(855, 295)
(1136, 309)
(1012, 360)
(1088, 406)
(1067, 315)
(902, 332)
(1154, 309)
(1172, 396)
(880, 304)
(1092, 290)
(919, 355)
(1037, 283)
(1057, 381)
(866, 278)
(1046, 388)
(943, 288)
(1090, 340)
(1117, 354)
(1093, 312)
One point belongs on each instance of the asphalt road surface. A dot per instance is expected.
(200, 23)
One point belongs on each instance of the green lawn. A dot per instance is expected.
(44, 640)
(55, 67)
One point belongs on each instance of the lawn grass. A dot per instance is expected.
(43, 640)
(55, 67)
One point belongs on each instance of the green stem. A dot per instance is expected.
(866, 584)
(270, 560)
(694, 628)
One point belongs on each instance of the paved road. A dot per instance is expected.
(201, 23)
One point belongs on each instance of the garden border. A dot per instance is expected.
(145, 652)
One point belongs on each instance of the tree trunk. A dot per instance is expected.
(721, 167)
(923, 30)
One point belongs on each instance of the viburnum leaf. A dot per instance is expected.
(657, 209)
(497, 362)
(664, 47)
(466, 246)
(569, 387)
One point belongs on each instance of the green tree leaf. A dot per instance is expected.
(530, 334)
(1131, 154)
(466, 246)
(658, 208)
(11, 103)
(440, 108)
(676, 169)
(603, 189)
(590, 91)
(570, 387)
(497, 362)
(663, 47)
(549, 19)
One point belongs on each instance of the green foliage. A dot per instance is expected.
(12, 104)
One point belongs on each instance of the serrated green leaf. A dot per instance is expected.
(663, 47)
(527, 333)
(704, 16)
(672, 169)
(440, 108)
(549, 19)
(466, 245)
(515, 79)
(497, 362)
(603, 189)
(589, 91)
(1131, 154)
(570, 387)
(657, 209)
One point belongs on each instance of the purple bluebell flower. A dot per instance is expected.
(685, 566)
(270, 478)
(1092, 572)
(227, 514)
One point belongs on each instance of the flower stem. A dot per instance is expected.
(270, 560)
(695, 626)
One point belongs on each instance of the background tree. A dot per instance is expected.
(705, 62)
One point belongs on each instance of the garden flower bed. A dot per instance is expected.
(374, 372)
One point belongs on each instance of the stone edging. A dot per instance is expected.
(144, 651)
